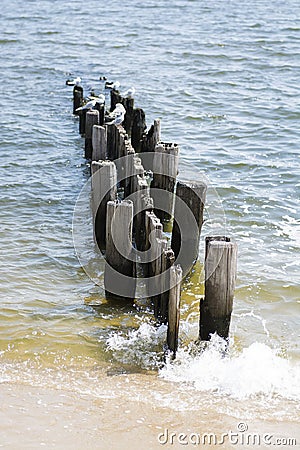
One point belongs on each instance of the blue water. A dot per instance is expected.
(224, 79)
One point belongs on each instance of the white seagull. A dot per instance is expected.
(118, 119)
(89, 105)
(129, 93)
(99, 99)
(112, 85)
(74, 82)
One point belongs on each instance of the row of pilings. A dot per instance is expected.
(134, 194)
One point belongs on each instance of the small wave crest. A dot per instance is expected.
(255, 371)
(258, 370)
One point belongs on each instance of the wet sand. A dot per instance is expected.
(38, 417)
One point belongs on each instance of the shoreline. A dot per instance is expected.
(38, 417)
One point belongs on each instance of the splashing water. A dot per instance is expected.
(256, 371)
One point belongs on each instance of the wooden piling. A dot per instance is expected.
(115, 97)
(120, 268)
(101, 108)
(174, 309)
(112, 148)
(77, 98)
(220, 275)
(165, 169)
(128, 103)
(153, 231)
(92, 118)
(138, 129)
(188, 220)
(151, 138)
(144, 204)
(99, 143)
(168, 259)
(141, 201)
(104, 189)
(82, 120)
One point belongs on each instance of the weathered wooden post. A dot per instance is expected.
(128, 103)
(92, 118)
(143, 203)
(165, 169)
(112, 148)
(188, 220)
(138, 129)
(174, 309)
(82, 120)
(104, 189)
(128, 169)
(167, 261)
(151, 138)
(77, 97)
(99, 143)
(101, 108)
(220, 275)
(128, 118)
(120, 267)
(115, 97)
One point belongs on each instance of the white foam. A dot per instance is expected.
(256, 371)
(140, 346)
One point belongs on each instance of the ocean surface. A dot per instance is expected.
(223, 77)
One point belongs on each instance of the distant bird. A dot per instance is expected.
(112, 85)
(102, 78)
(129, 93)
(99, 99)
(89, 105)
(118, 108)
(74, 82)
(118, 118)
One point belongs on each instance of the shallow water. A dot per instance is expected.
(223, 78)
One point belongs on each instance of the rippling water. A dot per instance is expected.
(224, 79)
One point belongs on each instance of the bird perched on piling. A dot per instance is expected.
(100, 99)
(118, 108)
(129, 93)
(89, 105)
(119, 119)
(74, 82)
(112, 85)
(117, 115)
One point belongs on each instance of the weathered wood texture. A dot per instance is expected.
(120, 268)
(144, 204)
(115, 97)
(138, 129)
(128, 103)
(153, 232)
(92, 118)
(151, 138)
(101, 108)
(104, 189)
(165, 169)
(220, 275)
(174, 308)
(99, 143)
(116, 137)
(166, 263)
(82, 120)
(188, 220)
(77, 98)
